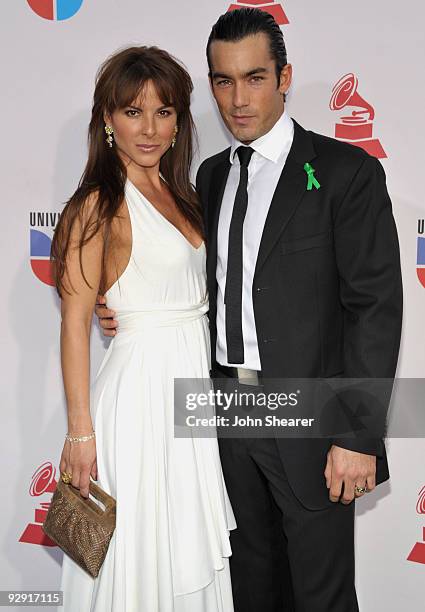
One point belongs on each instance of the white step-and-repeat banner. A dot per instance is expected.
(363, 56)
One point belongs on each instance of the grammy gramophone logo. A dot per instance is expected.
(42, 483)
(274, 8)
(356, 128)
(417, 553)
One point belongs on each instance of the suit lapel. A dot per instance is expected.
(288, 194)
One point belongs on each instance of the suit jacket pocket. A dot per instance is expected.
(307, 242)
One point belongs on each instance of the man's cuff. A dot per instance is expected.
(369, 446)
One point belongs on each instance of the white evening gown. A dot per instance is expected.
(170, 549)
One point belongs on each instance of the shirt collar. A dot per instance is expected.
(272, 144)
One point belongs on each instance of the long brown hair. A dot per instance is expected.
(119, 81)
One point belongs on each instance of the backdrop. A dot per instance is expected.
(347, 57)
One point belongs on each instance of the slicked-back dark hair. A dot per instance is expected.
(240, 23)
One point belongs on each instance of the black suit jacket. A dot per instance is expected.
(327, 289)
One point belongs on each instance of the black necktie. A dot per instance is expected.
(233, 291)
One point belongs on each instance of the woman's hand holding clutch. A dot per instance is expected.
(78, 460)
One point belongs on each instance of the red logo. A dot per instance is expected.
(274, 8)
(356, 128)
(43, 481)
(417, 553)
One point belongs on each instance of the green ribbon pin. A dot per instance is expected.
(311, 178)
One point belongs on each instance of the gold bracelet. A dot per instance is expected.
(80, 438)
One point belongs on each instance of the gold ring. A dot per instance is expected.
(66, 478)
(360, 489)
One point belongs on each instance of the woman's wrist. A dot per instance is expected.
(79, 425)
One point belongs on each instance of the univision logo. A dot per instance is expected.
(56, 10)
(420, 252)
(40, 244)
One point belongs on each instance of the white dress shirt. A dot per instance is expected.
(265, 168)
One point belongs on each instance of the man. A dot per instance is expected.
(301, 227)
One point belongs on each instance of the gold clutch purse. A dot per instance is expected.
(79, 526)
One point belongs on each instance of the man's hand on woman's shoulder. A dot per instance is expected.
(106, 317)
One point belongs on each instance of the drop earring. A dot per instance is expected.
(173, 142)
(109, 131)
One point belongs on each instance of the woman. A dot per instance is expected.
(133, 231)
